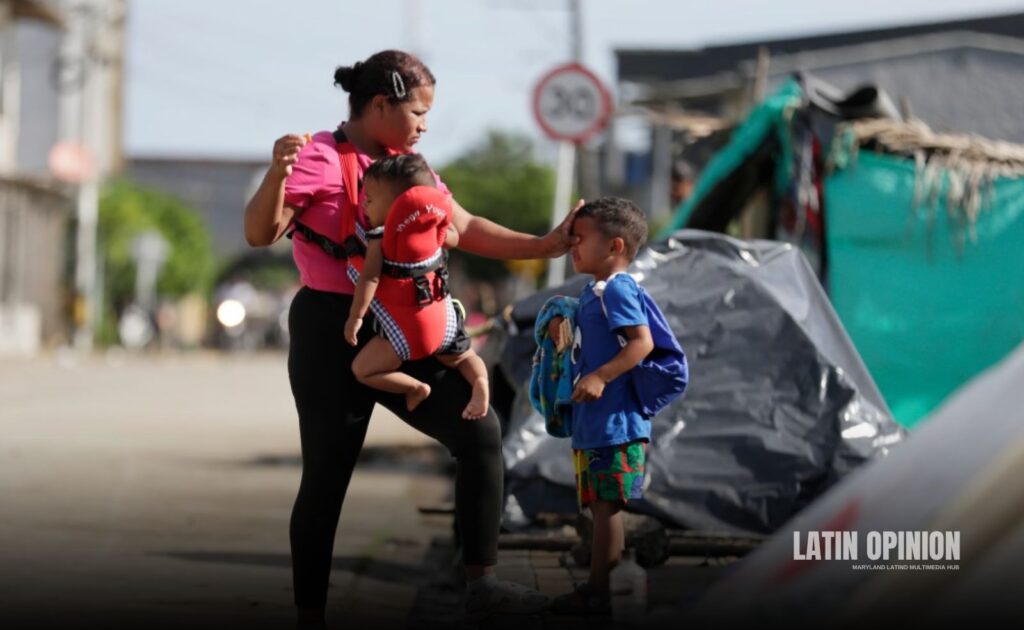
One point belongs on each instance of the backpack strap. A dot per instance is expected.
(599, 287)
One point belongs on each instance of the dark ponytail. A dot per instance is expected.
(345, 77)
(391, 73)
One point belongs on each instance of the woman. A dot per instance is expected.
(389, 97)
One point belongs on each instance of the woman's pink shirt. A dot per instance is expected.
(316, 189)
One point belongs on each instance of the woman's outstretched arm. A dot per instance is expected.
(484, 237)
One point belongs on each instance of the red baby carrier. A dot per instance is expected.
(417, 294)
(428, 282)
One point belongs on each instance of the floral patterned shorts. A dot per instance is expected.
(611, 473)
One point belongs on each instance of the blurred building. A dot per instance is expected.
(960, 75)
(217, 188)
(60, 133)
(33, 209)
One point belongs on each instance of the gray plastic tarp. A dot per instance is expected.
(960, 474)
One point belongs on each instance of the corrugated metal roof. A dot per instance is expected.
(667, 65)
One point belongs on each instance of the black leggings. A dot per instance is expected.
(334, 412)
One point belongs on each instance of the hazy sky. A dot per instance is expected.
(225, 77)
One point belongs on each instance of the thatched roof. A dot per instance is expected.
(33, 10)
(914, 137)
(969, 163)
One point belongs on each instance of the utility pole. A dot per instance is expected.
(76, 81)
(83, 82)
(576, 30)
(576, 165)
(411, 21)
(563, 197)
(566, 169)
(586, 157)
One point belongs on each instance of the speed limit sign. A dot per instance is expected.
(571, 104)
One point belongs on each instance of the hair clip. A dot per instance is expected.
(398, 84)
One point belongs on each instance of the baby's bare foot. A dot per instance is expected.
(478, 402)
(416, 396)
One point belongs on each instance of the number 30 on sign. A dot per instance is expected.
(571, 104)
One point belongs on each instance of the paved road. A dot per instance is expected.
(156, 493)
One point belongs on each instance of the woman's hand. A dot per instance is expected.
(286, 153)
(558, 241)
(266, 215)
(352, 326)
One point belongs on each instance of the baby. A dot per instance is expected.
(403, 279)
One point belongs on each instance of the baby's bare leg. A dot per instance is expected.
(377, 365)
(473, 369)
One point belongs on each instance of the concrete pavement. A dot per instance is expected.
(156, 492)
(672, 587)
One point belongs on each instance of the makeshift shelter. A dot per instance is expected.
(914, 234)
(779, 405)
(976, 496)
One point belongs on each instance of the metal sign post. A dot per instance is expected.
(149, 251)
(570, 104)
(563, 197)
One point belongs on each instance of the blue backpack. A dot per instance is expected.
(664, 373)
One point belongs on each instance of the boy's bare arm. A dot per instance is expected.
(638, 345)
(365, 289)
(368, 278)
(451, 238)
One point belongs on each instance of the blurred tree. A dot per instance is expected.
(499, 179)
(128, 209)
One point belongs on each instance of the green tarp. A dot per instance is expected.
(925, 313)
(925, 310)
(769, 117)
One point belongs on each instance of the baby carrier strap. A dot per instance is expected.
(349, 163)
(349, 245)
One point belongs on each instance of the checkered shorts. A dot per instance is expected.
(455, 340)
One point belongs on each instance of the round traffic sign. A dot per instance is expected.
(570, 103)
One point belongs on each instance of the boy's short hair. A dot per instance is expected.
(683, 171)
(618, 218)
(402, 171)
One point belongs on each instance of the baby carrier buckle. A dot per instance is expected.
(424, 296)
(441, 282)
(353, 247)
